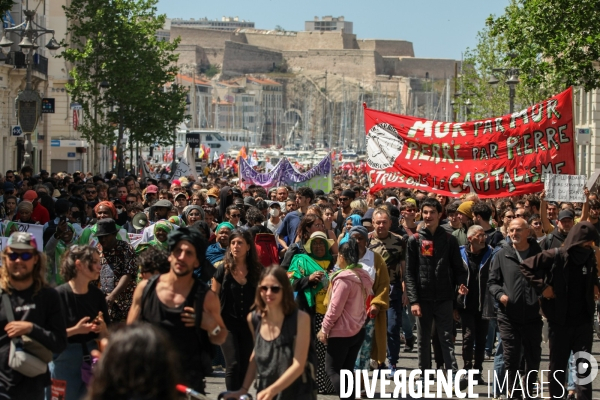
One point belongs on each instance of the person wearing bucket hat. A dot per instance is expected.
(309, 274)
(23, 285)
(118, 269)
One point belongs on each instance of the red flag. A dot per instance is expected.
(75, 120)
(497, 157)
(333, 155)
(242, 153)
(254, 155)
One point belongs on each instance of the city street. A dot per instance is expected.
(216, 384)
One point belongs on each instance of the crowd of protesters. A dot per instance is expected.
(284, 287)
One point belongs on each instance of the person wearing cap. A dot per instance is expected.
(119, 269)
(375, 343)
(464, 214)
(345, 209)
(151, 194)
(249, 202)
(181, 202)
(309, 276)
(102, 210)
(274, 215)
(212, 196)
(37, 313)
(161, 209)
(39, 214)
(183, 306)
(564, 225)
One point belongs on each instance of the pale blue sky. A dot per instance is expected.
(437, 28)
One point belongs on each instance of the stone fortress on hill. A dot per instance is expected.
(325, 73)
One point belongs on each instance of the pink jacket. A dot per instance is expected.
(346, 313)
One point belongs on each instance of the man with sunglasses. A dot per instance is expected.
(344, 211)
(36, 310)
(183, 306)
(91, 193)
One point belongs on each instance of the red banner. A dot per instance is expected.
(496, 157)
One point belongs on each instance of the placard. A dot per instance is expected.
(36, 230)
(565, 188)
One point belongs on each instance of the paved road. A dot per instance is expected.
(408, 361)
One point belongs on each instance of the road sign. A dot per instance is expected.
(16, 130)
(47, 106)
(76, 106)
(55, 143)
(193, 139)
(71, 155)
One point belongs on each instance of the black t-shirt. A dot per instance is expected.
(576, 295)
(77, 306)
(43, 309)
(493, 237)
(236, 299)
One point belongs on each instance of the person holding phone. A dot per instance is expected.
(86, 316)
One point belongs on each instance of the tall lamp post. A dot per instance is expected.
(511, 76)
(28, 101)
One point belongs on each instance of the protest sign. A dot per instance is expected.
(565, 188)
(284, 173)
(187, 165)
(36, 230)
(496, 157)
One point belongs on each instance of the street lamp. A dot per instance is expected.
(511, 76)
(28, 101)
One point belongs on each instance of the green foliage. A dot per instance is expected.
(5, 5)
(210, 71)
(558, 41)
(113, 44)
(491, 52)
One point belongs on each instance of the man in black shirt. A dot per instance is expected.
(565, 279)
(172, 300)
(37, 314)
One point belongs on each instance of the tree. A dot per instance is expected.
(5, 5)
(492, 52)
(558, 41)
(120, 72)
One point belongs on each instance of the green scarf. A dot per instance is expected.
(176, 221)
(8, 228)
(61, 248)
(326, 257)
(164, 225)
(302, 266)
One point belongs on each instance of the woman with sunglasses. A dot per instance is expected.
(282, 343)
(235, 283)
(309, 276)
(343, 326)
(86, 314)
(233, 215)
(506, 217)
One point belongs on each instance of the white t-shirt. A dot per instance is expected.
(368, 263)
(273, 227)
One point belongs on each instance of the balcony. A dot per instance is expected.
(17, 58)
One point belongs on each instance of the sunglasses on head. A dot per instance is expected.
(25, 257)
(274, 289)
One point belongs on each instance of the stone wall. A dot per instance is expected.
(410, 67)
(388, 48)
(205, 37)
(358, 64)
(301, 41)
(190, 54)
(240, 58)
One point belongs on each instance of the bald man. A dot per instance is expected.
(519, 320)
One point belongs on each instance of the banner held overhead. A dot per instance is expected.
(496, 157)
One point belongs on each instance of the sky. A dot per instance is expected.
(437, 28)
